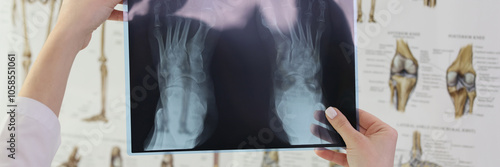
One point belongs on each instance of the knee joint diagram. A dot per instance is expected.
(460, 79)
(404, 69)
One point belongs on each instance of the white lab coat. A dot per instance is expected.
(37, 135)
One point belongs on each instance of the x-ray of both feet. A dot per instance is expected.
(373, 145)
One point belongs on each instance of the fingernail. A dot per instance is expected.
(330, 112)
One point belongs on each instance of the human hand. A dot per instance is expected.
(373, 145)
(79, 18)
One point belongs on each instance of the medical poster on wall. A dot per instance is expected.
(431, 69)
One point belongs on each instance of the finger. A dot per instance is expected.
(366, 119)
(320, 116)
(343, 126)
(338, 158)
(116, 15)
(373, 125)
(325, 134)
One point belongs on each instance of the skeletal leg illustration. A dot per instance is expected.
(168, 161)
(297, 88)
(270, 159)
(430, 3)
(360, 12)
(416, 154)
(116, 157)
(14, 7)
(27, 49)
(372, 12)
(461, 83)
(182, 81)
(104, 78)
(72, 160)
(404, 69)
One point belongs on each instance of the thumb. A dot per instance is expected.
(342, 126)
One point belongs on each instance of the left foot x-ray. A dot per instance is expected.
(183, 81)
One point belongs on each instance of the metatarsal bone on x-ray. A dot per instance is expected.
(182, 79)
(297, 87)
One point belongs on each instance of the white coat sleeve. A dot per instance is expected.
(37, 135)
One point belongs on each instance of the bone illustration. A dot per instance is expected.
(404, 69)
(14, 10)
(372, 12)
(27, 48)
(416, 154)
(270, 159)
(183, 82)
(116, 157)
(167, 161)
(72, 160)
(104, 78)
(460, 79)
(430, 3)
(297, 74)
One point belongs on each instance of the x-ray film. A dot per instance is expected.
(238, 74)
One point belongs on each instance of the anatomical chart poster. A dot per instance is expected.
(431, 69)
(244, 74)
